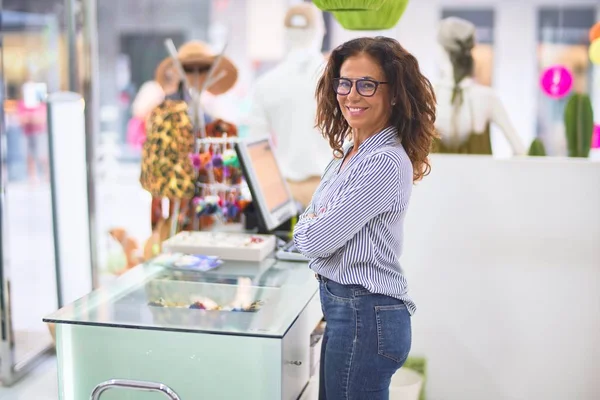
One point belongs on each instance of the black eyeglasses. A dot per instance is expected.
(364, 86)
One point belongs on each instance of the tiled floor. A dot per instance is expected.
(120, 202)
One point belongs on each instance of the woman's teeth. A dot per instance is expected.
(356, 110)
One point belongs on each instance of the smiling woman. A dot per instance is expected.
(386, 79)
(372, 93)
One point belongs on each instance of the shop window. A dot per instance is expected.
(483, 52)
(33, 50)
(562, 37)
(131, 37)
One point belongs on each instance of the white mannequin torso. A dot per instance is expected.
(284, 106)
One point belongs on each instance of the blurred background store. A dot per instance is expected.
(106, 50)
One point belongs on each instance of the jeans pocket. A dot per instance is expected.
(336, 291)
(394, 334)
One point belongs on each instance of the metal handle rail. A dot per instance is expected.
(135, 385)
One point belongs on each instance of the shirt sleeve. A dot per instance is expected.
(310, 209)
(373, 189)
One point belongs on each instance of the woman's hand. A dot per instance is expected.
(311, 215)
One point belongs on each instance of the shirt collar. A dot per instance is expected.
(386, 137)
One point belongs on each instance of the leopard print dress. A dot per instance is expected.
(167, 169)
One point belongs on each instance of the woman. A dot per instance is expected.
(373, 94)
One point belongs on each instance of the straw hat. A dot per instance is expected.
(301, 16)
(197, 56)
(304, 26)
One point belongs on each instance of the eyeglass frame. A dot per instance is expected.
(354, 83)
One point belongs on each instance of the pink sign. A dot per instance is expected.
(556, 81)
(596, 137)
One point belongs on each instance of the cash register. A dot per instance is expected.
(272, 201)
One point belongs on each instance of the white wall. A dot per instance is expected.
(503, 261)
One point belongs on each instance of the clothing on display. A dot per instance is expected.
(284, 104)
(469, 141)
(170, 167)
(475, 143)
(466, 109)
(167, 170)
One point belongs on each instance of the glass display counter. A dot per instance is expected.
(241, 331)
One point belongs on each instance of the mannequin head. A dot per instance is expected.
(304, 27)
(456, 37)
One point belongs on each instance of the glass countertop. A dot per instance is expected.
(237, 298)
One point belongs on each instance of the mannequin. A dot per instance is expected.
(284, 105)
(465, 108)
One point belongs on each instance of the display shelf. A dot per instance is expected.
(114, 334)
(281, 290)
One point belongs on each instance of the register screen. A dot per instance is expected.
(268, 174)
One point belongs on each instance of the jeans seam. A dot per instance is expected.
(334, 297)
(349, 371)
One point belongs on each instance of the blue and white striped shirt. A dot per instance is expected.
(357, 234)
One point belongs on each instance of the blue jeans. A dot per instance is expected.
(367, 339)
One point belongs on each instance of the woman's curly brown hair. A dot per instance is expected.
(413, 113)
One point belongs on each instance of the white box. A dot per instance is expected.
(226, 245)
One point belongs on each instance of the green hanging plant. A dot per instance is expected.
(384, 18)
(349, 5)
(579, 125)
(537, 148)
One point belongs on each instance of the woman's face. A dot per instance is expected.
(366, 112)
